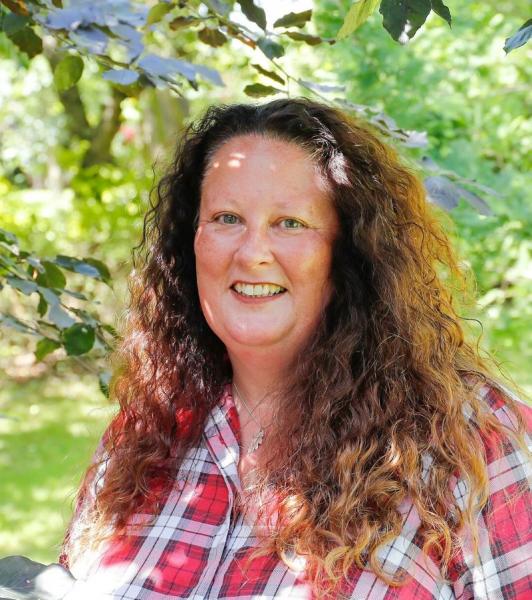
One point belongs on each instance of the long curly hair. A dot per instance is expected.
(387, 379)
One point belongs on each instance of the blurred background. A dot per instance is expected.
(92, 99)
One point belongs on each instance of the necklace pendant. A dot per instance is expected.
(256, 441)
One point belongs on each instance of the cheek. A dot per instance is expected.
(311, 262)
(209, 255)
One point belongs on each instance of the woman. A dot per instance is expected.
(300, 414)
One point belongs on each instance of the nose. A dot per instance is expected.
(255, 248)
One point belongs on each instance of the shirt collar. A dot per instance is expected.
(222, 434)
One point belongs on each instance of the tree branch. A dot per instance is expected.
(104, 133)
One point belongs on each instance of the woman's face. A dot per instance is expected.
(264, 245)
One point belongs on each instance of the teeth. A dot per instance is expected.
(264, 289)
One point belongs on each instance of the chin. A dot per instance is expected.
(253, 336)
(256, 339)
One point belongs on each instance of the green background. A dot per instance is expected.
(456, 84)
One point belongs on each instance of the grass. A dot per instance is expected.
(48, 430)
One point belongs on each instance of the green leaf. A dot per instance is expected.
(42, 307)
(294, 19)
(104, 379)
(44, 347)
(52, 276)
(441, 10)
(110, 329)
(157, 12)
(23, 285)
(221, 7)
(11, 264)
(322, 88)
(35, 263)
(8, 237)
(77, 295)
(402, 18)
(16, 324)
(68, 72)
(101, 267)
(519, 38)
(160, 68)
(121, 76)
(13, 23)
(49, 295)
(356, 16)
(267, 73)
(209, 74)
(270, 48)
(447, 194)
(253, 12)
(60, 317)
(181, 22)
(89, 266)
(27, 41)
(86, 317)
(311, 40)
(258, 90)
(78, 339)
(212, 37)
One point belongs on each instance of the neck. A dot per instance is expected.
(257, 378)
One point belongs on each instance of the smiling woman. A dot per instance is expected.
(263, 273)
(300, 413)
(280, 235)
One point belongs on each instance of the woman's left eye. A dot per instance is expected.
(231, 219)
(227, 219)
(292, 224)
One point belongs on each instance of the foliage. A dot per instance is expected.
(108, 58)
(68, 326)
(473, 102)
(403, 18)
(519, 38)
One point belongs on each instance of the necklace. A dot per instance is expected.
(259, 436)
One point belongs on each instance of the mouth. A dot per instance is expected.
(257, 290)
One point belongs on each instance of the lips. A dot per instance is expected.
(257, 290)
(255, 283)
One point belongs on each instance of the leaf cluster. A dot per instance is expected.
(58, 323)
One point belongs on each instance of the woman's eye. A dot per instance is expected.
(226, 219)
(292, 224)
(230, 219)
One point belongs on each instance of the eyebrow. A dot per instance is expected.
(280, 206)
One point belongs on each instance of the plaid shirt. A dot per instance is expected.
(197, 546)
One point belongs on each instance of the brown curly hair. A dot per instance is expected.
(385, 380)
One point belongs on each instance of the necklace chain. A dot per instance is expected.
(245, 404)
(259, 436)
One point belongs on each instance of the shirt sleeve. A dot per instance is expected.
(503, 567)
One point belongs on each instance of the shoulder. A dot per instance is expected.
(505, 522)
(510, 445)
(502, 419)
(504, 405)
(507, 442)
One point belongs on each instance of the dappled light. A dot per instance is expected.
(142, 268)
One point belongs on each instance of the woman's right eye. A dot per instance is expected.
(226, 219)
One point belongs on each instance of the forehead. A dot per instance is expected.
(255, 166)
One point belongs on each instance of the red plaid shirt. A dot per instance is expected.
(197, 548)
